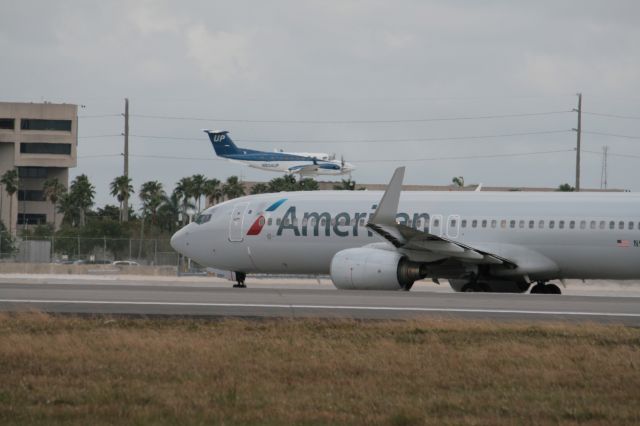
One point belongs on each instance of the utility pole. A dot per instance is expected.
(603, 173)
(125, 203)
(578, 131)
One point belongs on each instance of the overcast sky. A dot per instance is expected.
(334, 74)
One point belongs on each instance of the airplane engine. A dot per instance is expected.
(373, 269)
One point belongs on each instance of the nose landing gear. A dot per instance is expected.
(240, 277)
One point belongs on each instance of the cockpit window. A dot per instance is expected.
(203, 218)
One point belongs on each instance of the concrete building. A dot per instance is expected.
(40, 141)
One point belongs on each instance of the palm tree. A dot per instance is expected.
(458, 181)
(198, 183)
(233, 188)
(213, 191)
(169, 212)
(184, 190)
(152, 195)
(53, 189)
(82, 193)
(68, 208)
(345, 185)
(10, 181)
(260, 188)
(121, 188)
(283, 183)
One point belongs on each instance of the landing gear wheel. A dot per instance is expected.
(475, 287)
(240, 277)
(542, 288)
(552, 289)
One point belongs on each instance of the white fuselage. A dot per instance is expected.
(549, 235)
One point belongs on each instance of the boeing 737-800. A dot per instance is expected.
(302, 163)
(479, 241)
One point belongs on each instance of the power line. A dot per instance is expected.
(470, 157)
(613, 154)
(100, 116)
(342, 141)
(410, 120)
(624, 117)
(611, 134)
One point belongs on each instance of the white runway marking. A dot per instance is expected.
(326, 307)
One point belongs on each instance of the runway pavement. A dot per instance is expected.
(298, 298)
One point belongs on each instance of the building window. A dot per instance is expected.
(32, 219)
(7, 123)
(32, 172)
(30, 195)
(38, 124)
(45, 148)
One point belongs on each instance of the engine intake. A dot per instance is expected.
(373, 269)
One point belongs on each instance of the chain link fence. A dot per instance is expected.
(101, 250)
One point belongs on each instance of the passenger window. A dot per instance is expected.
(286, 222)
(474, 223)
(503, 223)
(521, 224)
(494, 223)
(463, 223)
(361, 221)
(452, 223)
(541, 224)
(552, 224)
(612, 225)
(531, 224)
(418, 223)
(436, 222)
(484, 223)
(512, 224)
(269, 221)
(583, 224)
(572, 224)
(561, 224)
(630, 225)
(621, 225)
(278, 221)
(323, 221)
(592, 225)
(602, 224)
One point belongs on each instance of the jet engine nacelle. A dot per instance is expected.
(373, 269)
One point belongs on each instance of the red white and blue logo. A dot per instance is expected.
(259, 223)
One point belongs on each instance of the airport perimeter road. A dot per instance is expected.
(166, 298)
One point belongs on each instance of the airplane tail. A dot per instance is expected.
(222, 143)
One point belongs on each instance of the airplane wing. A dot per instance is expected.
(383, 222)
(304, 169)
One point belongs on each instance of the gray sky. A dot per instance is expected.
(344, 61)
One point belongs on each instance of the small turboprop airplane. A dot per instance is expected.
(479, 241)
(303, 163)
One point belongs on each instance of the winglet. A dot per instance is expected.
(388, 208)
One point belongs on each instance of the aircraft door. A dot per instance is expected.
(236, 222)
(436, 225)
(453, 226)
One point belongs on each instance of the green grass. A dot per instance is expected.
(111, 370)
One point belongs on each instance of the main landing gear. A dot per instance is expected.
(543, 288)
(240, 277)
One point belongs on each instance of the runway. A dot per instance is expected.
(294, 300)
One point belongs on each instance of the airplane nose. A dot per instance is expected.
(178, 241)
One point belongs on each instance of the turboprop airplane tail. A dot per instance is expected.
(222, 143)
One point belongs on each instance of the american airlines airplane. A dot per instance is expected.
(479, 241)
(302, 163)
